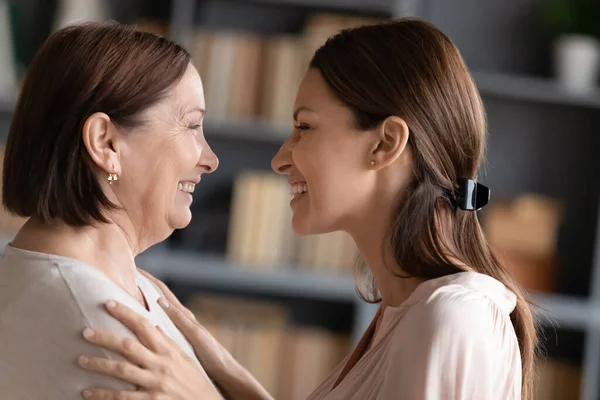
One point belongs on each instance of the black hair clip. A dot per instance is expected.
(471, 196)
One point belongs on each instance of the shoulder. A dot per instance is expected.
(458, 338)
(44, 291)
(43, 312)
(32, 287)
(467, 307)
(90, 289)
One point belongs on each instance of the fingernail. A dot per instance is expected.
(87, 394)
(83, 360)
(111, 304)
(163, 302)
(88, 333)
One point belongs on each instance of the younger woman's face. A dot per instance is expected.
(326, 159)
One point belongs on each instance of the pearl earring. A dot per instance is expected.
(372, 162)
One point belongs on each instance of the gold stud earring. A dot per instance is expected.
(112, 177)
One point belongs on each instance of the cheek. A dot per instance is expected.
(158, 172)
(332, 171)
(178, 158)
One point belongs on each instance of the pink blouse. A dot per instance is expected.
(452, 339)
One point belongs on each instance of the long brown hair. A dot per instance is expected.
(409, 68)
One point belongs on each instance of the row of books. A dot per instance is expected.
(289, 361)
(523, 231)
(557, 380)
(250, 76)
(260, 230)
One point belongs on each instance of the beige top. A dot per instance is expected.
(452, 339)
(46, 302)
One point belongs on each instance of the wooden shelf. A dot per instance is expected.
(7, 106)
(565, 311)
(261, 131)
(217, 272)
(381, 7)
(533, 89)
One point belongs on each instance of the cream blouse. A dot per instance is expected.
(452, 339)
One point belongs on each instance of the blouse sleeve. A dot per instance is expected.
(455, 350)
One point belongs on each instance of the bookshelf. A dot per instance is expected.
(503, 89)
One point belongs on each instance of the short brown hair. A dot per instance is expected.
(409, 68)
(79, 70)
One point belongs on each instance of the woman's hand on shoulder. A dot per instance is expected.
(212, 355)
(233, 379)
(155, 364)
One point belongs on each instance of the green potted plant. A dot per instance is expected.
(575, 28)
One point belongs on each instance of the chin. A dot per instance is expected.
(181, 219)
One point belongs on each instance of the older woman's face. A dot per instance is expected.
(163, 160)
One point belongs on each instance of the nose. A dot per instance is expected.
(208, 161)
(282, 161)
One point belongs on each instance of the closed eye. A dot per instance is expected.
(302, 128)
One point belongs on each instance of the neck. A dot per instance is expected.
(375, 247)
(106, 247)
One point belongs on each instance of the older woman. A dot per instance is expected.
(103, 154)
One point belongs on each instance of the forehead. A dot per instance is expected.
(313, 89)
(315, 94)
(188, 92)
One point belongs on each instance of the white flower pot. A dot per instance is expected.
(577, 62)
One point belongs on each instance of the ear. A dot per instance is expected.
(391, 140)
(100, 138)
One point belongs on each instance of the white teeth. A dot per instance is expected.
(186, 187)
(298, 189)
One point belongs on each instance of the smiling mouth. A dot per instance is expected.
(186, 187)
(297, 189)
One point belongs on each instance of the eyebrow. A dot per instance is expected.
(198, 109)
(301, 109)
